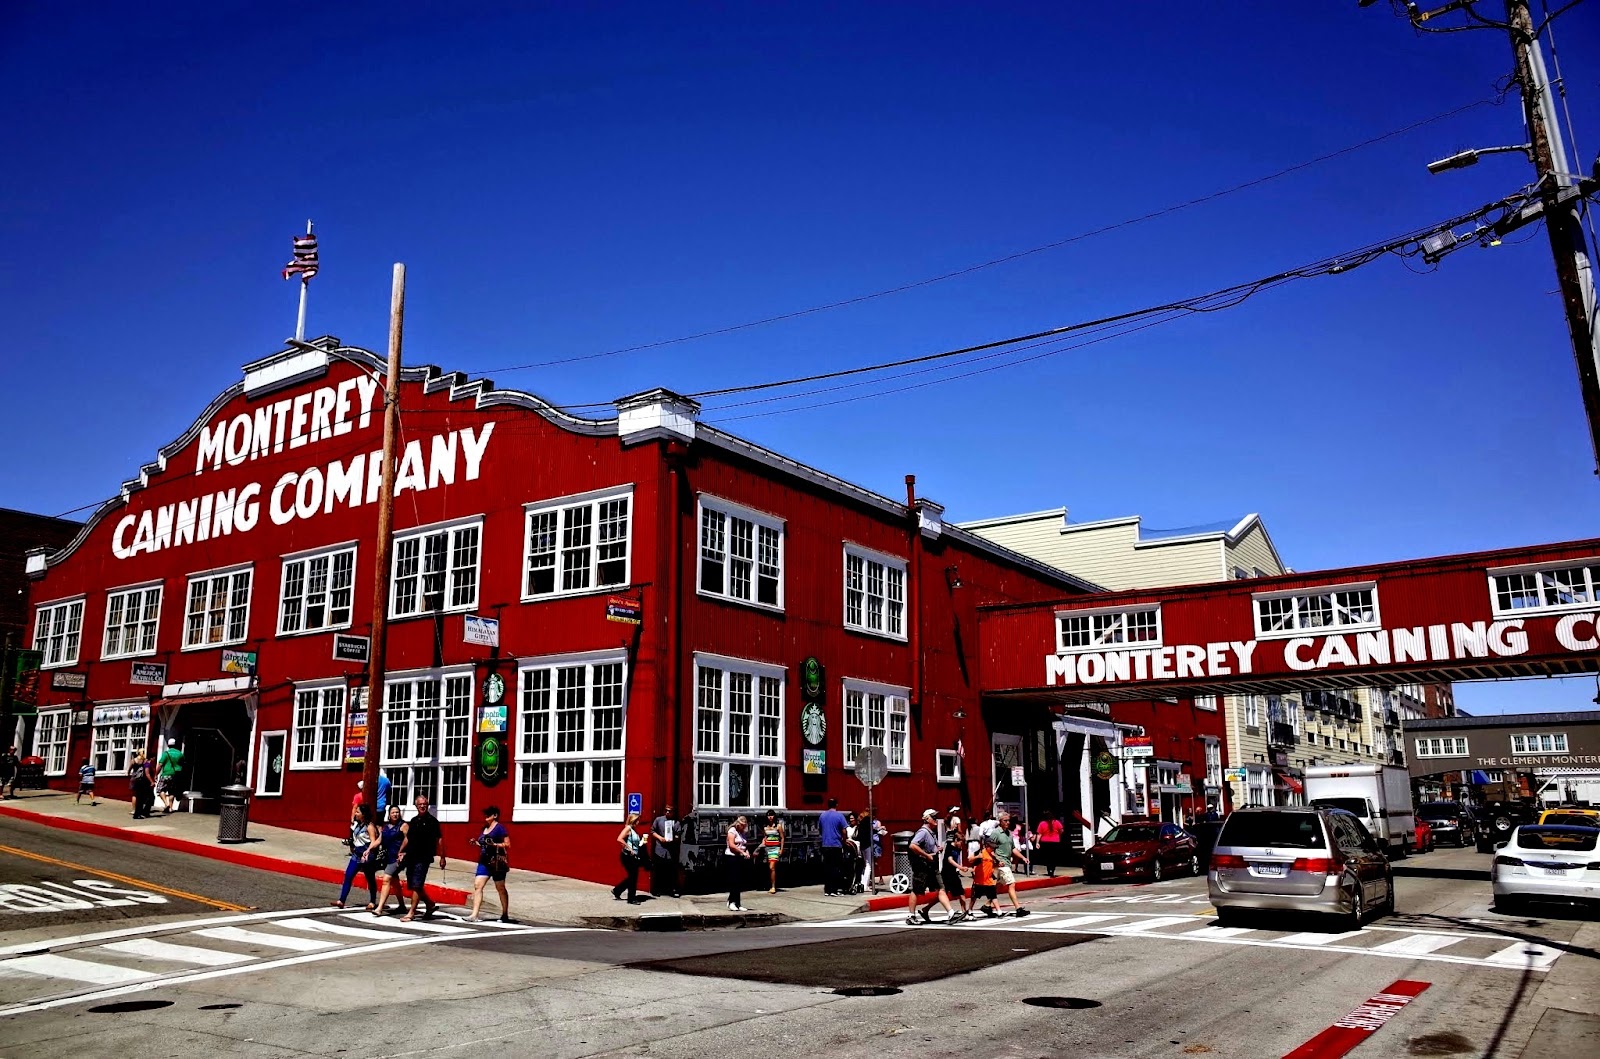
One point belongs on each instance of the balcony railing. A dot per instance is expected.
(1282, 735)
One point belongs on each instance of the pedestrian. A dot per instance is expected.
(358, 797)
(141, 787)
(168, 765)
(866, 837)
(383, 796)
(925, 872)
(1005, 854)
(951, 868)
(632, 844)
(494, 863)
(389, 838)
(983, 888)
(852, 854)
(423, 841)
(664, 834)
(364, 848)
(1048, 843)
(772, 839)
(1024, 839)
(10, 766)
(735, 856)
(831, 824)
(86, 782)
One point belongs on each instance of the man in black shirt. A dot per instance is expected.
(423, 840)
(10, 765)
(665, 838)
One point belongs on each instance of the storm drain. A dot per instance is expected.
(866, 990)
(1073, 1003)
(125, 1007)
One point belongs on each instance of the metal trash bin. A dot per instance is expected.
(900, 881)
(233, 813)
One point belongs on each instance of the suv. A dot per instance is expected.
(1450, 821)
(1299, 859)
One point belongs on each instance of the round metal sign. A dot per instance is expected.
(871, 765)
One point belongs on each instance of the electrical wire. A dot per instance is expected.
(1004, 259)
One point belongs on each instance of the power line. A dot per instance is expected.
(1004, 259)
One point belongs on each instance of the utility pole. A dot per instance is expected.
(380, 588)
(1567, 244)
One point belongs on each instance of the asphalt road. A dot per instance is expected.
(1112, 971)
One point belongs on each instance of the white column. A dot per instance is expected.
(1086, 793)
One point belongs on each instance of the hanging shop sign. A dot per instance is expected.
(122, 713)
(67, 680)
(239, 663)
(490, 760)
(812, 678)
(152, 673)
(348, 648)
(1138, 746)
(492, 720)
(623, 609)
(1105, 765)
(485, 632)
(355, 728)
(21, 683)
(494, 690)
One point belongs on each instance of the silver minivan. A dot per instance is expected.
(1299, 859)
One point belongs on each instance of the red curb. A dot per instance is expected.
(228, 854)
(1036, 882)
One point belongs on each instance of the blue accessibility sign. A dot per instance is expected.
(635, 802)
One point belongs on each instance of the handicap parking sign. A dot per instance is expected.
(635, 802)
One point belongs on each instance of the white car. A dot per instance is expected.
(1555, 862)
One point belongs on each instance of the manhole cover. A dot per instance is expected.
(1447, 1043)
(867, 990)
(124, 1007)
(1072, 1002)
(219, 1007)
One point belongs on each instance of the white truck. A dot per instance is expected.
(1379, 795)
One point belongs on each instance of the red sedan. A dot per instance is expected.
(1142, 849)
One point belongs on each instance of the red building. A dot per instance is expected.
(666, 596)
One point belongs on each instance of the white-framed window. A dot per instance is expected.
(741, 554)
(1291, 712)
(874, 592)
(1257, 785)
(877, 715)
(571, 717)
(1252, 710)
(577, 543)
(50, 740)
(219, 608)
(317, 591)
(1441, 746)
(120, 731)
(427, 740)
(132, 615)
(1213, 763)
(58, 632)
(1570, 585)
(1541, 743)
(1207, 702)
(738, 733)
(1339, 608)
(1096, 630)
(436, 569)
(318, 726)
(947, 766)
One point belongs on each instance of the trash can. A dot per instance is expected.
(233, 813)
(900, 881)
(30, 774)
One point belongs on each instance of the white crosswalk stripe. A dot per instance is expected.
(270, 941)
(77, 970)
(1474, 948)
(150, 948)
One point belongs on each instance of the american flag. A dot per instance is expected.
(305, 258)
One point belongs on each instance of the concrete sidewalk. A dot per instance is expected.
(535, 897)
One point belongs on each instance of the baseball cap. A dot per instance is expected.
(929, 812)
(954, 809)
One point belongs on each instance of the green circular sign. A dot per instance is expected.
(811, 678)
(1105, 765)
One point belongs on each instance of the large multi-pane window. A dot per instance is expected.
(319, 726)
(874, 592)
(317, 591)
(738, 733)
(120, 731)
(1251, 704)
(741, 554)
(132, 615)
(1557, 586)
(570, 718)
(876, 715)
(577, 544)
(1213, 763)
(1097, 630)
(427, 740)
(1344, 608)
(58, 632)
(1542, 743)
(219, 608)
(1446, 746)
(50, 740)
(436, 569)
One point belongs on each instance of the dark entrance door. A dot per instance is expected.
(215, 737)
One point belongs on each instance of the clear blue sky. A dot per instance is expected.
(568, 179)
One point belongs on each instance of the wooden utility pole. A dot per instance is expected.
(380, 586)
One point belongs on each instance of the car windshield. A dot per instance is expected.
(1131, 833)
(1576, 839)
(1357, 806)
(1438, 812)
(1291, 830)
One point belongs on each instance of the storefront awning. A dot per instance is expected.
(195, 700)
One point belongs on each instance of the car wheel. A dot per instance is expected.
(1358, 910)
(1502, 824)
(1155, 870)
(1387, 908)
(1507, 905)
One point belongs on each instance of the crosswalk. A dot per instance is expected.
(115, 962)
(1394, 942)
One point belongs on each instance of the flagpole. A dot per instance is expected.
(305, 284)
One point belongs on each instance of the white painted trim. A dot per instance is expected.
(105, 625)
(214, 571)
(152, 583)
(606, 654)
(1375, 625)
(58, 601)
(249, 598)
(215, 686)
(940, 757)
(1135, 608)
(455, 669)
(586, 497)
(256, 761)
(766, 669)
(1591, 563)
(307, 553)
(731, 509)
(354, 548)
(888, 562)
(524, 814)
(66, 762)
(319, 685)
(591, 499)
(448, 527)
(888, 691)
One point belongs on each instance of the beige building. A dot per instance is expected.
(1272, 739)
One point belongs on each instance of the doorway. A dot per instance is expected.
(270, 764)
(1008, 767)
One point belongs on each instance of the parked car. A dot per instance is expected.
(1142, 849)
(1424, 836)
(1546, 862)
(1570, 815)
(1450, 821)
(1299, 859)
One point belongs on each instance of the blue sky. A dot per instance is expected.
(566, 179)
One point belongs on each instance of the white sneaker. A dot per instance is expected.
(732, 907)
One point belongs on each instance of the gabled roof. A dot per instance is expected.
(1229, 531)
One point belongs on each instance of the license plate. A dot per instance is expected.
(1268, 869)
(1106, 865)
(1552, 871)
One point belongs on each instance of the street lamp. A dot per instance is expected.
(1462, 159)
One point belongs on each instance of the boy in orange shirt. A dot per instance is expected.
(983, 886)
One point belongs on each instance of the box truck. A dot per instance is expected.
(1380, 795)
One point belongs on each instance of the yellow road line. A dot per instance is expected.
(130, 880)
